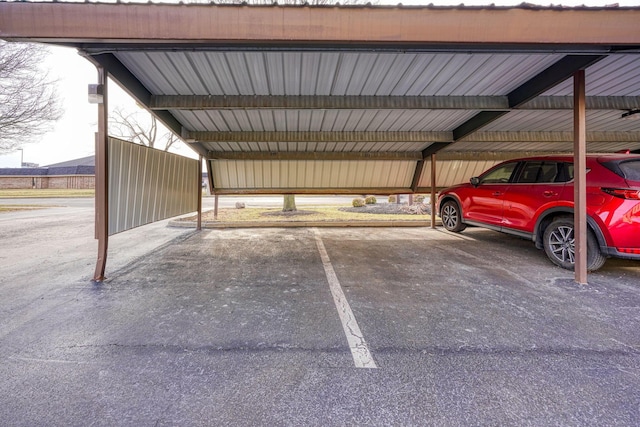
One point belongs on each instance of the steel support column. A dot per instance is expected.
(102, 180)
(580, 175)
(433, 191)
(199, 221)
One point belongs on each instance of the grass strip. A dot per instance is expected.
(308, 214)
(39, 193)
(15, 208)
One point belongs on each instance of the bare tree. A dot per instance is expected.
(289, 203)
(140, 128)
(29, 104)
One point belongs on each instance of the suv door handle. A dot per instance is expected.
(497, 193)
(550, 193)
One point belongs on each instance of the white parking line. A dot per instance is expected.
(359, 348)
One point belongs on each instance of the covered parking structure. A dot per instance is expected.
(335, 99)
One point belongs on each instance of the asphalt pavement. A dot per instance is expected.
(267, 326)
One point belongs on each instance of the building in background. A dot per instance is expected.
(73, 174)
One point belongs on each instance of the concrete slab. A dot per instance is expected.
(238, 327)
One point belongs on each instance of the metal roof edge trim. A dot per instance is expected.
(337, 5)
(122, 22)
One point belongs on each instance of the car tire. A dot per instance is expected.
(451, 217)
(559, 245)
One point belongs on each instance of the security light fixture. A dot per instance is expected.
(96, 94)
(631, 114)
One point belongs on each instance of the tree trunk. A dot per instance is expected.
(289, 204)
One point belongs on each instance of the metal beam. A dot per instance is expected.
(437, 140)
(332, 190)
(484, 155)
(123, 76)
(546, 79)
(417, 173)
(476, 122)
(227, 24)
(212, 183)
(313, 155)
(592, 103)
(553, 136)
(550, 77)
(243, 102)
(434, 148)
(317, 136)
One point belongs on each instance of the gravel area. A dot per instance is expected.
(391, 208)
(290, 213)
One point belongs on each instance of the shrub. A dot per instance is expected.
(370, 200)
(357, 202)
(392, 199)
(419, 198)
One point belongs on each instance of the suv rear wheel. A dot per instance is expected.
(559, 245)
(452, 217)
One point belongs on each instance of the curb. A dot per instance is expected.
(300, 224)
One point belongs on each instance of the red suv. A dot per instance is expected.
(533, 198)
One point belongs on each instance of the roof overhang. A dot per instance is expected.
(171, 24)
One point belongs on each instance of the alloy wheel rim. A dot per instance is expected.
(449, 216)
(562, 244)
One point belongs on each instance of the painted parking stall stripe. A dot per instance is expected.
(357, 344)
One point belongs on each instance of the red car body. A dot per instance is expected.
(525, 196)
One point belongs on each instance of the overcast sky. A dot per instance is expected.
(73, 136)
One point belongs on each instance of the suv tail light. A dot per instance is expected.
(623, 193)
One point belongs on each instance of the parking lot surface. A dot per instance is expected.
(251, 327)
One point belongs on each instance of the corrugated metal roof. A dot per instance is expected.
(322, 120)
(332, 73)
(597, 120)
(288, 174)
(542, 147)
(283, 58)
(278, 146)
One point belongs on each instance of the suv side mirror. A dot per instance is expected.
(475, 181)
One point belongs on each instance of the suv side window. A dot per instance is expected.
(500, 175)
(539, 172)
(566, 172)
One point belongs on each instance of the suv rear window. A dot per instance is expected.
(631, 170)
(627, 169)
(538, 172)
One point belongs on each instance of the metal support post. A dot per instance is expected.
(433, 191)
(102, 180)
(580, 177)
(199, 222)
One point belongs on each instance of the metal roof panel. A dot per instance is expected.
(329, 73)
(616, 75)
(553, 120)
